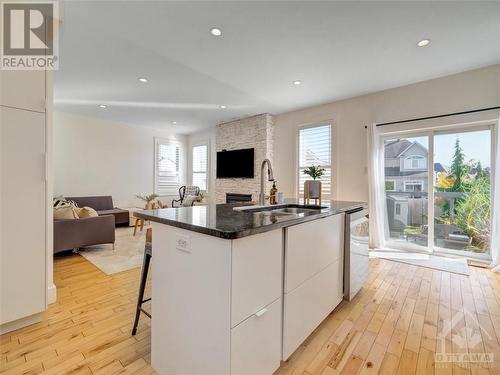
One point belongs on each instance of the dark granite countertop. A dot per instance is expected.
(223, 221)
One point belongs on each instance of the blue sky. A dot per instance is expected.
(476, 145)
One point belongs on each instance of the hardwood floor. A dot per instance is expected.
(403, 316)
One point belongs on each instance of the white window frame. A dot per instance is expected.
(198, 144)
(397, 207)
(430, 129)
(333, 157)
(167, 141)
(412, 158)
(420, 183)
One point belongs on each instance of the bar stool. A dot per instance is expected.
(148, 254)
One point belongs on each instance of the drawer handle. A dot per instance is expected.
(260, 312)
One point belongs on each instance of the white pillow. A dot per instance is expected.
(188, 200)
(66, 212)
(87, 212)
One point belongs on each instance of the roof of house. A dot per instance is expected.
(438, 167)
(392, 149)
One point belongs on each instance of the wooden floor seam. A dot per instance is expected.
(406, 320)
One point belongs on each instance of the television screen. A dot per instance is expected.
(235, 163)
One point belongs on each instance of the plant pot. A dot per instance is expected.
(314, 189)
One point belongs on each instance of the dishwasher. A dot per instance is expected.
(355, 251)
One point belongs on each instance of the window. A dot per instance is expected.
(390, 185)
(398, 208)
(315, 149)
(415, 162)
(200, 166)
(414, 186)
(167, 168)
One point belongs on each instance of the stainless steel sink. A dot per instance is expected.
(295, 210)
(284, 210)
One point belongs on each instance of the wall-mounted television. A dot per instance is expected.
(235, 163)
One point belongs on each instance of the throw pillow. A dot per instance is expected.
(66, 212)
(60, 201)
(188, 200)
(87, 212)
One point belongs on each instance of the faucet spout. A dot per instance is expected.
(262, 195)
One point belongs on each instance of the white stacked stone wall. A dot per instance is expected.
(252, 132)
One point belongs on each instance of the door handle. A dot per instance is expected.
(260, 312)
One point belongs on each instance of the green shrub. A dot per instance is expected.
(473, 213)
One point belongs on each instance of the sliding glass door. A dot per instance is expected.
(406, 174)
(438, 191)
(462, 192)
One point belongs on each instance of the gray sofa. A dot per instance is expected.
(74, 233)
(104, 206)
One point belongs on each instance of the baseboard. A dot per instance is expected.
(20, 323)
(51, 294)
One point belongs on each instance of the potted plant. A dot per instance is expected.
(148, 199)
(312, 189)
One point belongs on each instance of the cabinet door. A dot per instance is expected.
(256, 277)
(310, 303)
(22, 217)
(312, 246)
(256, 342)
(23, 89)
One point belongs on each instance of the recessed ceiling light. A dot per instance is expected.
(102, 106)
(142, 79)
(215, 31)
(222, 107)
(297, 82)
(174, 122)
(423, 42)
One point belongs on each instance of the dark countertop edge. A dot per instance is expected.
(147, 215)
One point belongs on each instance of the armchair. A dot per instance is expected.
(185, 191)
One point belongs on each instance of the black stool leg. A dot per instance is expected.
(142, 287)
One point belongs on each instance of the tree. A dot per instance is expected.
(458, 168)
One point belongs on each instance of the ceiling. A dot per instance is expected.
(337, 49)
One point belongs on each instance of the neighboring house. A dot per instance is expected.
(405, 166)
(406, 178)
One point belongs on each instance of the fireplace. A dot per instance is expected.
(235, 197)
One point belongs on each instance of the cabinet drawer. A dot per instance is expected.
(311, 247)
(309, 304)
(257, 263)
(256, 342)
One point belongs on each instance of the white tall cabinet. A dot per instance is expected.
(25, 193)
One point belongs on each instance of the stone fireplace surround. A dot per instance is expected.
(251, 132)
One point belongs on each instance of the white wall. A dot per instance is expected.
(98, 157)
(460, 92)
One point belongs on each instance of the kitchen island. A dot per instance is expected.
(236, 289)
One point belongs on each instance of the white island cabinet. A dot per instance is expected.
(217, 304)
(239, 306)
(314, 270)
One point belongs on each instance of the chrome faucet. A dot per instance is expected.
(262, 195)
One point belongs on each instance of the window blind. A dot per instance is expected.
(200, 166)
(315, 149)
(167, 168)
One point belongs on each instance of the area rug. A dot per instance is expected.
(128, 252)
(454, 265)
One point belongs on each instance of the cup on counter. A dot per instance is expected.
(280, 196)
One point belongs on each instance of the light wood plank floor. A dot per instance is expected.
(401, 318)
